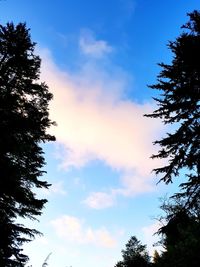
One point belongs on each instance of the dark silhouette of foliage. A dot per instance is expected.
(180, 237)
(134, 255)
(179, 104)
(24, 120)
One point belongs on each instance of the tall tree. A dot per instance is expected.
(134, 255)
(179, 105)
(24, 119)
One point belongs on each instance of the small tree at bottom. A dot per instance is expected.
(134, 255)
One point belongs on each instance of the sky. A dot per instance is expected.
(98, 58)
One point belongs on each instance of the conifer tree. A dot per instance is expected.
(134, 255)
(180, 236)
(179, 105)
(24, 119)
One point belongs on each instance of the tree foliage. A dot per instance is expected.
(134, 255)
(179, 105)
(24, 119)
(180, 237)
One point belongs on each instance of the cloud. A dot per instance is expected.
(135, 183)
(79, 183)
(99, 200)
(97, 122)
(42, 240)
(92, 47)
(150, 238)
(74, 230)
(131, 185)
(55, 188)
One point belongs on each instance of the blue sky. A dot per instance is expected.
(97, 58)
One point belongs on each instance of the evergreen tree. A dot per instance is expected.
(179, 105)
(180, 237)
(134, 255)
(24, 119)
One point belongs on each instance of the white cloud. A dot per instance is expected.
(55, 188)
(79, 183)
(92, 47)
(73, 229)
(134, 183)
(131, 185)
(99, 200)
(150, 238)
(96, 122)
(42, 240)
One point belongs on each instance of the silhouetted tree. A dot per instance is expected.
(134, 255)
(180, 237)
(179, 105)
(24, 120)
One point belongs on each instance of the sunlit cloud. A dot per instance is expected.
(74, 230)
(99, 200)
(90, 46)
(43, 240)
(96, 122)
(151, 238)
(79, 183)
(56, 188)
(134, 183)
(131, 185)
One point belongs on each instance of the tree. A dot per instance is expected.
(180, 237)
(135, 255)
(179, 105)
(24, 119)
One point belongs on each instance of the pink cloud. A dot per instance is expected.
(74, 230)
(96, 122)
